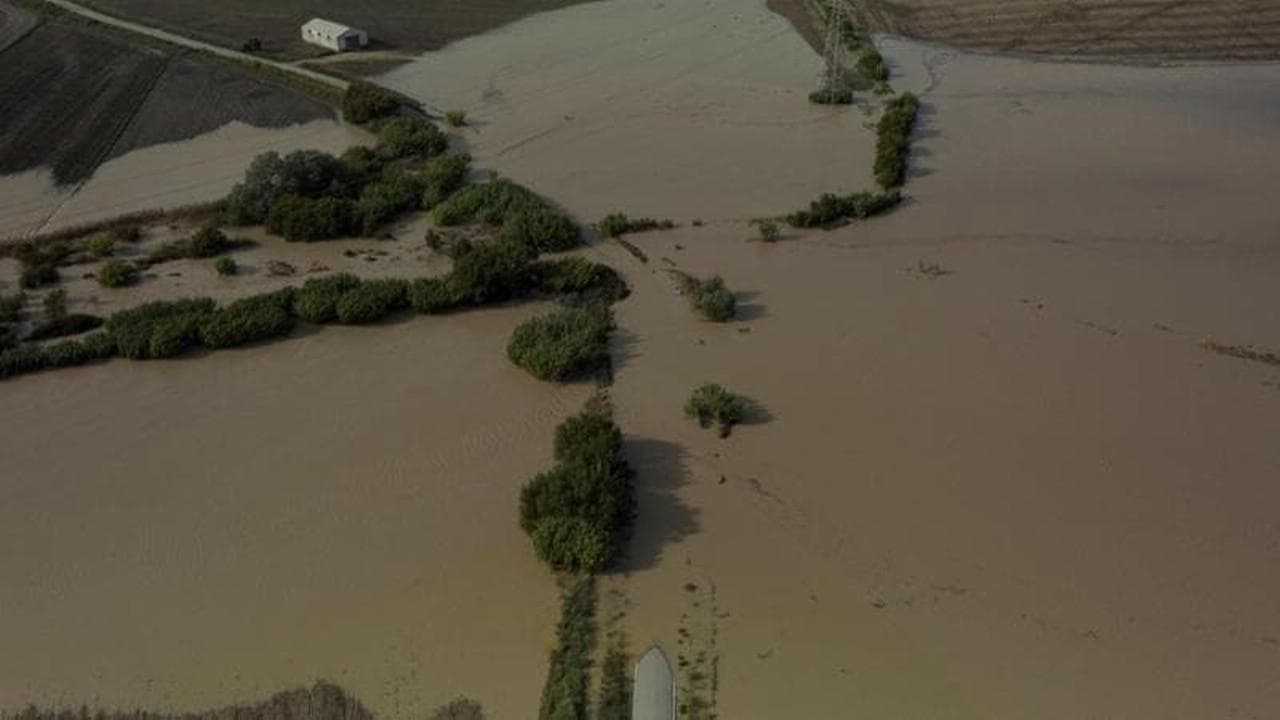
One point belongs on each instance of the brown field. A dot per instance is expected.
(1236, 29)
(14, 24)
(390, 23)
(75, 97)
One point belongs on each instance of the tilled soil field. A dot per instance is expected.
(1174, 29)
(15, 23)
(390, 23)
(75, 97)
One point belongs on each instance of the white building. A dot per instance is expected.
(333, 36)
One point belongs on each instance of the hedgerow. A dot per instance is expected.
(616, 224)
(830, 209)
(582, 279)
(63, 326)
(250, 319)
(371, 301)
(159, 329)
(317, 300)
(893, 143)
(579, 513)
(365, 102)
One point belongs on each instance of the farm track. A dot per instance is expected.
(1143, 29)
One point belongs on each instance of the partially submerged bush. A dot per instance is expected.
(831, 209)
(209, 241)
(455, 118)
(578, 278)
(251, 319)
(55, 304)
(714, 301)
(616, 224)
(159, 329)
(40, 263)
(365, 102)
(769, 231)
(304, 219)
(443, 178)
(64, 326)
(831, 96)
(101, 246)
(411, 137)
(564, 345)
(317, 300)
(118, 273)
(491, 271)
(11, 306)
(226, 266)
(893, 143)
(579, 512)
(371, 301)
(431, 296)
(871, 66)
(712, 404)
(534, 222)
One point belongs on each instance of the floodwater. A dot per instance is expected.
(1019, 489)
(680, 110)
(198, 170)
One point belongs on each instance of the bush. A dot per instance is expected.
(305, 219)
(38, 275)
(360, 165)
(159, 329)
(714, 301)
(769, 231)
(564, 697)
(226, 266)
(712, 404)
(578, 513)
(397, 192)
(69, 353)
(490, 272)
(365, 102)
(118, 273)
(563, 345)
(411, 137)
(616, 224)
(251, 319)
(584, 280)
(831, 96)
(536, 223)
(101, 246)
(871, 66)
(305, 173)
(253, 44)
(443, 178)
(21, 360)
(317, 300)
(830, 209)
(455, 118)
(11, 306)
(431, 296)
(208, 242)
(615, 685)
(371, 301)
(460, 709)
(893, 144)
(63, 326)
(55, 304)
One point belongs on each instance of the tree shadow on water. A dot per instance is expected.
(662, 517)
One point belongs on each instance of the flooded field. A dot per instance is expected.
(989, 472)
(199, 170)
(673, 110)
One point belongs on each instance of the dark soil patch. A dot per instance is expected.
(15, 23)
(391, 24)
(76, 96)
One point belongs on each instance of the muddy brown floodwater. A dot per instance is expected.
(1014, 486)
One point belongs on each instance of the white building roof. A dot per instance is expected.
(326, 28)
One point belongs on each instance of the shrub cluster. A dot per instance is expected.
(160, 329)
(40, 263)
(712, 404)
(578, 280)
(226, 266)
(64, 326)
(524, 216)
(411, 137)
(871, 66)
(615, 685)
(11, 306)
(372, 300)
(893, 143)
(209, 241)
(564, 697)
(616, 224)
(831, 96)
(456, 118)
(579, 513)
(564, 345)
(309, 195)
(365, 102)
(251, 319)
(101, 246)
(118, 273)
(831, 209)
(68, 353)
(714, 301)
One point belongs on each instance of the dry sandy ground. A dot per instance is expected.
(202, 169)
(680, 110)
(1019, 490)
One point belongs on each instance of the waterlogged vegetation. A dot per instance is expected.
(617, 224)
(893, 140)
(830, 210)
(522, 216)
(565, 345)
(566, 692)
(710, 404)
